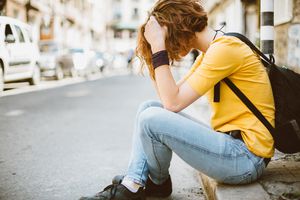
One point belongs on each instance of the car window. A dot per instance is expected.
(20, 34)
(27, 35)
(8, 31)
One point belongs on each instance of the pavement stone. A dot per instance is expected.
(281, 179)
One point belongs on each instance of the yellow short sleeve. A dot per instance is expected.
(220, 61)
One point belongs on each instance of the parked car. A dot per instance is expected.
(72, 61)
(50, 60)
(18, 53)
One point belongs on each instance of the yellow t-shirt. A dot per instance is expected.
(229, 57)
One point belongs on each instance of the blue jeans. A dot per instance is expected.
(159, 132)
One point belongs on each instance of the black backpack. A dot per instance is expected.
(286, 91)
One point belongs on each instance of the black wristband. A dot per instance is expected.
(160, 58)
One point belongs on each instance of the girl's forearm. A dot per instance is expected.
(166, 87)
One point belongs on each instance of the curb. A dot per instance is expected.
(281, 180)
(44, 85)
(216, 191)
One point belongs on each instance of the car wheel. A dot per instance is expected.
(59, 74)
(36, 77)
(1, 79)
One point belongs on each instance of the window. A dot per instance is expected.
(117, 16)
(135, 13)
(27, 35)
(118, 34)
(8, 31)
(20, 34)
(15, 13)
(132, 34)
(283, 11)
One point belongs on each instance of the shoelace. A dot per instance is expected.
(112, 190)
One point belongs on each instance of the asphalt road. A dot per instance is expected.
(65, 142)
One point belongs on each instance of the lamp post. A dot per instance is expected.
(267, 26)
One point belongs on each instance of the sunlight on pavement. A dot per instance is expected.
(80, 93)
(14, 113)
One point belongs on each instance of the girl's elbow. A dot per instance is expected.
(172, 107)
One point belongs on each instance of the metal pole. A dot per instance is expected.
(267, 26)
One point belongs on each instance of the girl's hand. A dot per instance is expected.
(155, 35)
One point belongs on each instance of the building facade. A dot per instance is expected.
(240, 16)
(72, 23)
(287, 33)
(104, 25)
(243, 16)
(124, 19)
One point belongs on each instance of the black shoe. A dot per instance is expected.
(118, 179)
(162, 191)
(117, 192)
(151, 189)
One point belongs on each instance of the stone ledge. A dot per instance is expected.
(217, 191)
(281, 180)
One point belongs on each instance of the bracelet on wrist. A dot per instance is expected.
(160, 58)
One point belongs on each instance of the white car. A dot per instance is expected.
(18, 53)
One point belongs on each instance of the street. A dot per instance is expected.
(65, 142)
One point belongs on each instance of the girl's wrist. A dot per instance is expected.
(160, 58)
(157, 48)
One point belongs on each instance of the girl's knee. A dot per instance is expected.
(150, 115)
(151, 119)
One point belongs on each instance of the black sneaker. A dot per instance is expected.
(118, 179)
(117, 192)
(162, 191)
(151, 189)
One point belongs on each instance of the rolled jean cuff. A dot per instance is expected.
(140, 181)
(158, 181)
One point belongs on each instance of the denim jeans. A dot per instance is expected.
(159, 132)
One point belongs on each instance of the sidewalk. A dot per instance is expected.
(281, 180)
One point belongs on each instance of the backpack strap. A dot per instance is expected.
(252, 46)
(250, 105)
(217, 89)
(264, 58)
(239, 93)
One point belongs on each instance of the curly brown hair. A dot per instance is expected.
(183, 18)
